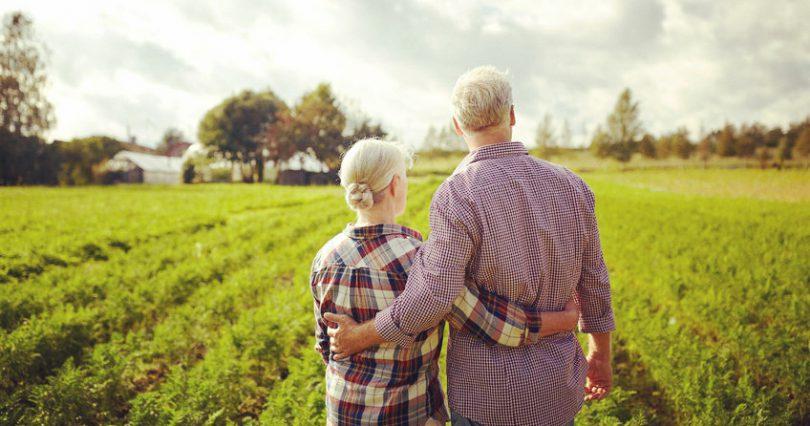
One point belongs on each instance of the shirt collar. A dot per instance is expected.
(496, 150)
(374, 231)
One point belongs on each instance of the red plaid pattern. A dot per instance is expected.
(525, 229)
(360, 272)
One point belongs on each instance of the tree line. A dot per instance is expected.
(248, 129)
(253, 128)
(26, 114)
(623, 135)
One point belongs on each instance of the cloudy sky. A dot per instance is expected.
(140, 67)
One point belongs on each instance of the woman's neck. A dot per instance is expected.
(368, 218)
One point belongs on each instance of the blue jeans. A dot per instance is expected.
(459, 420)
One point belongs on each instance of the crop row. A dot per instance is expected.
(44, 342)
(63, 228)
(712, 306)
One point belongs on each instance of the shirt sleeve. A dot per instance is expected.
(437, 274)
(321, 338)
(593, 289)
(493, 318)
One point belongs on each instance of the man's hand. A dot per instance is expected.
(349, 337)
(600, 374)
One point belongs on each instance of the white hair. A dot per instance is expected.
(367, 169)
(482, 98)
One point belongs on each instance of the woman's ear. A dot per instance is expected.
(394, 186)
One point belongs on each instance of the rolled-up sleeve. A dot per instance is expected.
(438, 272)
(593, 289)
(321, 338)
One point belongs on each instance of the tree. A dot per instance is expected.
(773, 137)
(368, 130)
(24, 110)
(318, 126)
(646, 146)
(429, 142)
(681, 144)
(748, 140)
(565, 135)
(170, 138)
(442, 141)
(783, 151)
(279, 138)
(82, 158)
(600, 143)
(663, 146)
(801, 148)
(763, 155)
(706, 148)
(725, 141)
(623, 128)
(545, 140)
(25, 113)
(236, 129)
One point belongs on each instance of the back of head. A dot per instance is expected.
(367, 169)
(482, 98)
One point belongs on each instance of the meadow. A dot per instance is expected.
(191, 305)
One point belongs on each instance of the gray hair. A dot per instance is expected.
(367, 169)
(482, 98)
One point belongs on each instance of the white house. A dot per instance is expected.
(137, 167)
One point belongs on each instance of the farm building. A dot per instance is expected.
(138, 167)
(305, 169)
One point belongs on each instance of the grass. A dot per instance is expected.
(190, 304)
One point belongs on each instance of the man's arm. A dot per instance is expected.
(348, 337)
(600, 373)
(438, 272)
(436, 287)
(436, 278)
(593, 295)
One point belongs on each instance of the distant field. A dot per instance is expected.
(778, 185)
(190, 304)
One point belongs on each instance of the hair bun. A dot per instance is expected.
(359, 196)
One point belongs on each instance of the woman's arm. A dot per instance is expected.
(497, 320)
(321, 338)
(349, 337)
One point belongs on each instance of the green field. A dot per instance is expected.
(191, 304)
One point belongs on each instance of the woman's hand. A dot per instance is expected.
(554, 322)
(572, 313)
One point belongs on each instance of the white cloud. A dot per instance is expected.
(153, 64)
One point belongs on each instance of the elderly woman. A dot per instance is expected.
(362, 269)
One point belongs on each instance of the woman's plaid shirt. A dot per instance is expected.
(359, 272)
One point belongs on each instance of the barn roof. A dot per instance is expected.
(151, 162)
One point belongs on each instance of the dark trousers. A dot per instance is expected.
(459, 420)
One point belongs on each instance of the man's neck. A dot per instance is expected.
(485, 138)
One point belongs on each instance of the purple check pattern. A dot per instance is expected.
(524, 229)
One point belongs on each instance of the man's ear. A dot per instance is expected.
(457, 128)
(512, 115)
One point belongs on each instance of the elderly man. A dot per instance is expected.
(522, 228)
